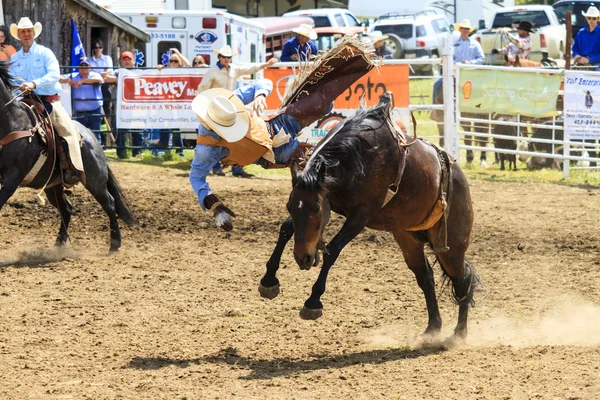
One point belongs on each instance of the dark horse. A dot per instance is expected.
(18, 157)
(351, 174)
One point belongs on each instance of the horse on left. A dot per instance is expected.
(23, 142)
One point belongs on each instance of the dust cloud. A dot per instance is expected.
(564, 321)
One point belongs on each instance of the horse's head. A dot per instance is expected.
(310, 210)
(511, 62)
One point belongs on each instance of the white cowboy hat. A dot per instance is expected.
(377, 36)
(305, 30)
(223, 112)
(25, 23)
(465, 23)
(224, 51)
(591, 12)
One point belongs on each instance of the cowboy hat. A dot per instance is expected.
(224, 51)
(465, 23)
(305, 30)
(525, 26)
(591, 12)
(223, 112)
(377, 36)
(25, 23)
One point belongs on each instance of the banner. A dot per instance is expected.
(77, 51)
(508, 92)
(582, 106)
(389, 78)
(152, 99)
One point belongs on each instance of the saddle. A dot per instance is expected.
(43, 128)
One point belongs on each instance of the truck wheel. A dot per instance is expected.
(395, 44)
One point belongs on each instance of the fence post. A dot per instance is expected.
(448, 88)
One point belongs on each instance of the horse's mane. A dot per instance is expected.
(5, 76)
(341, 156)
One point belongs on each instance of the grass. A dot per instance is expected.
(420, 93)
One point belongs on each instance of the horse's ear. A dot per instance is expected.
(294, 171)
(517, 59)
(506, 59)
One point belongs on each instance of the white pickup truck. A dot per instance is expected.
(549, 32)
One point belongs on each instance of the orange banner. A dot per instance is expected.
(393, 78)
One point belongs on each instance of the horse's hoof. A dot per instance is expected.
(268, 292)
(311, 313)
(113, 250)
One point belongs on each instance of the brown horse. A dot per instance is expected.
(360, 164)
(521, 62)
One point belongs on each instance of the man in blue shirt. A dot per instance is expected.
(301, 47)
(586, 48)
(86, 93)
(36, 69)
(467, 51)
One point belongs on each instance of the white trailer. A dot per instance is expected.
(196, 32)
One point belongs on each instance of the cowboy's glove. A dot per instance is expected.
(220, 211)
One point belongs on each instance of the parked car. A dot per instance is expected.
(328, 35)
(414, 35)
(327, 16)
(549, 32)
(577, 7)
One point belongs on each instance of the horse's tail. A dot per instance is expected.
(121, 203)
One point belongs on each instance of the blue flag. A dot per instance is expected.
(77, 51)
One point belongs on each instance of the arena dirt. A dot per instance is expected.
(176, 313)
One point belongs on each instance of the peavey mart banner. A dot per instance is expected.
(581, 110)
(508, 92)
(162, 99)
(393, 78)
(149, 99)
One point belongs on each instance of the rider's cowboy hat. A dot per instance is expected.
(223, 112)
(525, 26)
(224, 51)
(305, 30)
(25, 23)
(591, 12)
(377, 36)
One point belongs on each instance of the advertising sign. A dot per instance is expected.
(508, 92)
(157, 99)
(392, 78)
(582, 106)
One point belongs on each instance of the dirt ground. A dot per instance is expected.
(176, 313)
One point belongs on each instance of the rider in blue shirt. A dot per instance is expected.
(36, 70)
(301, 47)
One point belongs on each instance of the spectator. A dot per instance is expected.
(467, 50)
(176, 60)
(518, 45)
(103, 64)
(381, 49)
(302, 46)
(199, 61)
(6, 49)
(586, 48)
(137, 138)
(87, 96)
(225, 76)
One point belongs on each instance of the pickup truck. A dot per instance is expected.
(549, 32)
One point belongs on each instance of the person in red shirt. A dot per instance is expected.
(6, 49)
